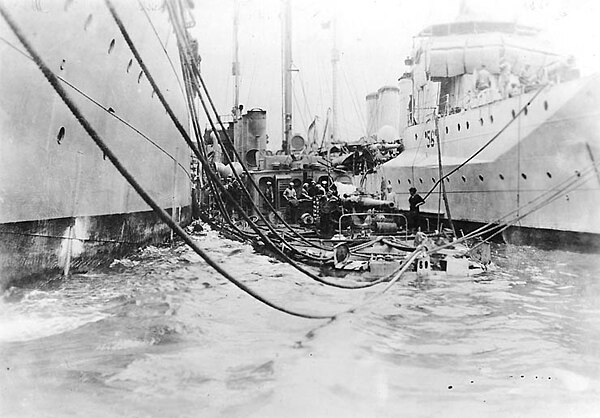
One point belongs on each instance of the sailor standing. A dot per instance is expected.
(414, 200)
(483, 79)
(289, 194)
(304, 194)
(269, 195)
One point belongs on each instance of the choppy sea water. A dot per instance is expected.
(161, 335)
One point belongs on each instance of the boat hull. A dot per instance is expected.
(43, 250)
(54, 180)
(539, 171)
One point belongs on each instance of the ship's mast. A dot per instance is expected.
(335, 57)
(235, 65)
(287, 75)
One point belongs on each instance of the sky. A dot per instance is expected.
(373, 37)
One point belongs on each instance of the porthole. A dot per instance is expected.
(468, 126)
(420, 180)
(491, 118)
(88, 22)
(458, 127)
(545, 105)
(481, 121)
(61, 135)
(140, 76)
(501, 176)
(416, 137)
(447, 130)
(129, 64)
(512, 112)
(549, 174)
(399, 181)
(524, 176)
(463, 178)
(480, 177)
(409, 182)
(525, 110)
(433, 179)
(111, 46)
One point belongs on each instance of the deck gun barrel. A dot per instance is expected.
(368, 202)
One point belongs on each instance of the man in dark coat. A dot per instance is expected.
(414, 200)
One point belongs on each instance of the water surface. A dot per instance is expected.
(160, 334)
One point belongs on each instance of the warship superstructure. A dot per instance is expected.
(506, 123)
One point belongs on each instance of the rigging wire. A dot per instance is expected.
(537, 203)
(298, 107)
(484, 146)
(354, 101)
(108, 110)
(70, 238)
(162, 45)
(307, 107)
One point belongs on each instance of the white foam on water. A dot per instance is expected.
(42, 314)
(16, 326)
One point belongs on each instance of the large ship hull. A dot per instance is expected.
(540, 171)
(60, 199)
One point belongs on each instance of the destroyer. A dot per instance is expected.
(508, 125)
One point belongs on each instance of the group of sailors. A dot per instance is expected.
(511, 83)
(233, 193)
(324, 197)
(325, 203)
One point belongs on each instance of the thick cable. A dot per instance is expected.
(244, 168)
(187, 139)
(213, 188)
(162, 214)
(280, 238)
(183, 42)
(246, 171)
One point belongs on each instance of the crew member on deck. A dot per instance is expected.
(321, 188)
(415, 200)
(269, 195)
(483, 80)
(289, 194)
(312, 189)
(304, 192)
